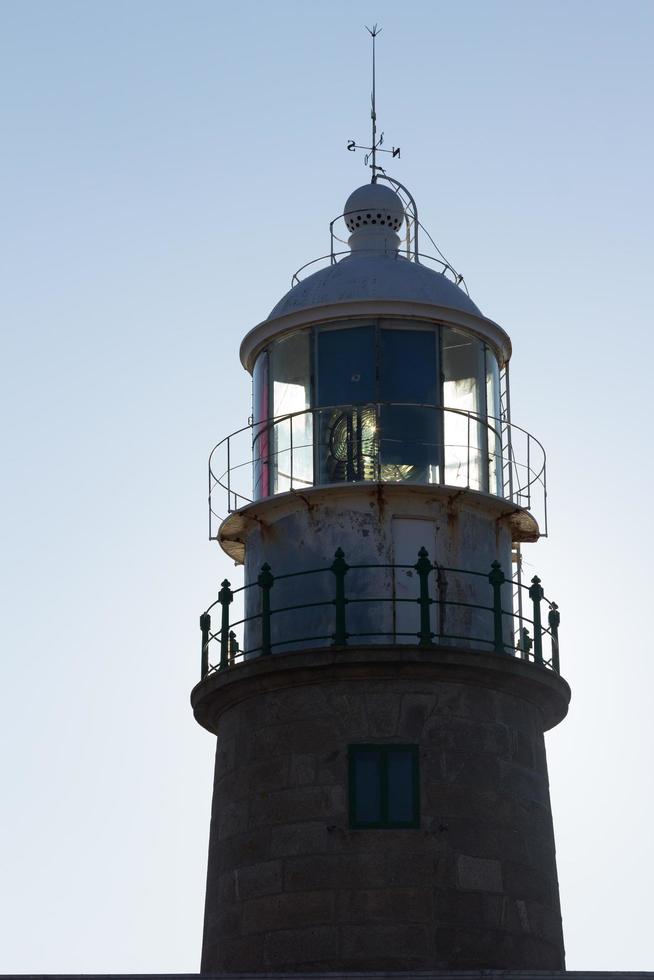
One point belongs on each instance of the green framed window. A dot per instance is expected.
(384, 785)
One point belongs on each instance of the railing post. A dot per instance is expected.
(423, 567)
(234, 648)
(536, 594)
(497, 579)
(225, 597)
(265, 581)
(554, 618)
(205, 626)
(339, 567)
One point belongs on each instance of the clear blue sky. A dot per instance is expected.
(166, 167)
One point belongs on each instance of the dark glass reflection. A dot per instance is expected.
(409, 443)
(401, 789)
(346, 366)
(367, 786)
(408, 367)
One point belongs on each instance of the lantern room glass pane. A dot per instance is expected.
(346, 366)
(493, 410)
(393, 400)
(408, 366)
(408, 434)
(409, 444)
(349, 444)
(464, 389)
(292, 431)
(346, 380)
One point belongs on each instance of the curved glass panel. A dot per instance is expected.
(464, 388)
(292, 440)
(494, 412)
(388, 400)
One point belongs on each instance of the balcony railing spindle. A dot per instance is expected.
(205, 626)
(423, 567)
(225, 597)
(497, 580)
(554, 618)
(536, 594)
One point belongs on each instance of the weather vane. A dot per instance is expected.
(372, 151)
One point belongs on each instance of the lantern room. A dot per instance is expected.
(378, 399)
(379, 368)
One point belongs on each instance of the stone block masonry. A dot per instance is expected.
(291, 886)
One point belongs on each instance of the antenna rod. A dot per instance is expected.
(373, 113)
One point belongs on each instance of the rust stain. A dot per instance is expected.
(500, 524)
(256, 520)
(310, 507)
(441, 588)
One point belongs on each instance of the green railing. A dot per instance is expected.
(222, 649)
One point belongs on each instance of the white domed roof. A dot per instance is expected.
(375, 269)
(370, 275)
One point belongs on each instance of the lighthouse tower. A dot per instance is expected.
(380, 684)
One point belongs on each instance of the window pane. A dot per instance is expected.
(401, 788)
(408, 366)
(366, 772)
(464, 390)
(293, 439)
(409, 444)
(494, 427)
(346, 366)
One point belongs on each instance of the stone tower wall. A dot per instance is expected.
(292, 887)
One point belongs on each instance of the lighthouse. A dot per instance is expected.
(381, 681)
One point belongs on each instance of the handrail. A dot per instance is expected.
(410, 246)
(487, 437)
(457, 278)
(529, 647)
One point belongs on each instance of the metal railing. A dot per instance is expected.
(409, 246)
(222, 649)
(334, 257)
(339, 444)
